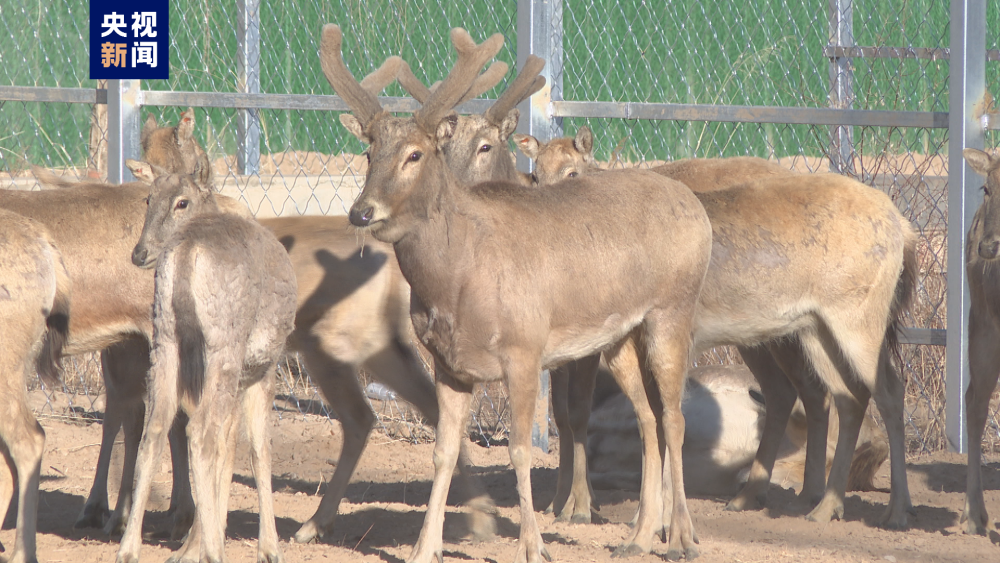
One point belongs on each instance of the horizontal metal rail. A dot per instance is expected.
(47, 94)
(751, 114)
(925, 336)
(936, 54)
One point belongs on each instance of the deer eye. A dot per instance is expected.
(572, 174)
(986, 189)
(181, 204)
(485, 148)
(147, 201)
(415, 156)
(368, 155)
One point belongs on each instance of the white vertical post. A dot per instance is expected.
(967, 86)
(123, 128)
(841, 84)
(539, 32)
(248, 82)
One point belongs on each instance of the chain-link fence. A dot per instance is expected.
(654, 81)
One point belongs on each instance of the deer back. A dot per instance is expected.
(95, 226)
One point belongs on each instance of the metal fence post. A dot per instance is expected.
(841, 84)
(539, 32)
(248, 81)
(123, 128)
(966, 89)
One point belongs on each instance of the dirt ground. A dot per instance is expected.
(381, 516)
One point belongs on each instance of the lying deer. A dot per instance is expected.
(724, 414)
(224, 305)
(503, 284)
(353, 313)
(34, 317)
(818, 268)
(982, 246)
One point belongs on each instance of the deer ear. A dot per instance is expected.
(446, 128)
(185, 128)
(527, 145)
(141, 170)
(584, 140)
(147, 128)
(980, 161)
(352, 124)
(509, 123)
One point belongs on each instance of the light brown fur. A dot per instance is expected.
(224, 306)
(981, 266)
(492, 273)
(34, 310)
(804, 264)
(353, 313)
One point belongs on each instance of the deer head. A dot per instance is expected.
(560, 158)
(477, 149)
(986, 225)
(174, 150)
(405, 162)
(174, 199)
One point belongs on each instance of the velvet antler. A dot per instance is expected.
(361, 97)
(527, 83)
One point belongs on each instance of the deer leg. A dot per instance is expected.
(181, 501)
(125, 366)
(210, 431)
(339, 383)
(668, 343)
(779, 398)
(984, 359)
(851, 397)
(890, 399)
(163, 377)
(623, 359)
(581, 399)
(7, 480)
(399, 367)
(24, 441)
(257, 401)
(559, 379)
(816, 403)
(522, 374)
(454, 398)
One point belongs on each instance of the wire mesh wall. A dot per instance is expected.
(861, 54)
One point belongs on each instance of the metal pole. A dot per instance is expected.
(539, 32)
(841, 84)
(966, 90)
(123, 128)
(248, 81)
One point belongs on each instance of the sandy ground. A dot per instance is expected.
(385, 504)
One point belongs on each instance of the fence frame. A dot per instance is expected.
(539, 33)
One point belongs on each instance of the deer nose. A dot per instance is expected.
(139, 256)
(361, 217)
(989, 248)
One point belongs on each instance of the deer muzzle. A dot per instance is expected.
(361, 217)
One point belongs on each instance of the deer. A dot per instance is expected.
(982, 245)
(353, 313)
(224, 305)
(765, 287)
(502, 285)
(34, 319)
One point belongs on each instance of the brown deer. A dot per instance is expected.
(765, 286)
(34, 320)
(982, 246)
(507, 280)
(337, 279)
(224, 306)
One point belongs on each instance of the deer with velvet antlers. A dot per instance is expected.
(507, 280)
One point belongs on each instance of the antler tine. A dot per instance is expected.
(471, 58)
(364, 105)
(485, 81)
(527, 83)
(412, 84)
(375, 82)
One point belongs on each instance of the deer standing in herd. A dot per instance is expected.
(818, 268)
